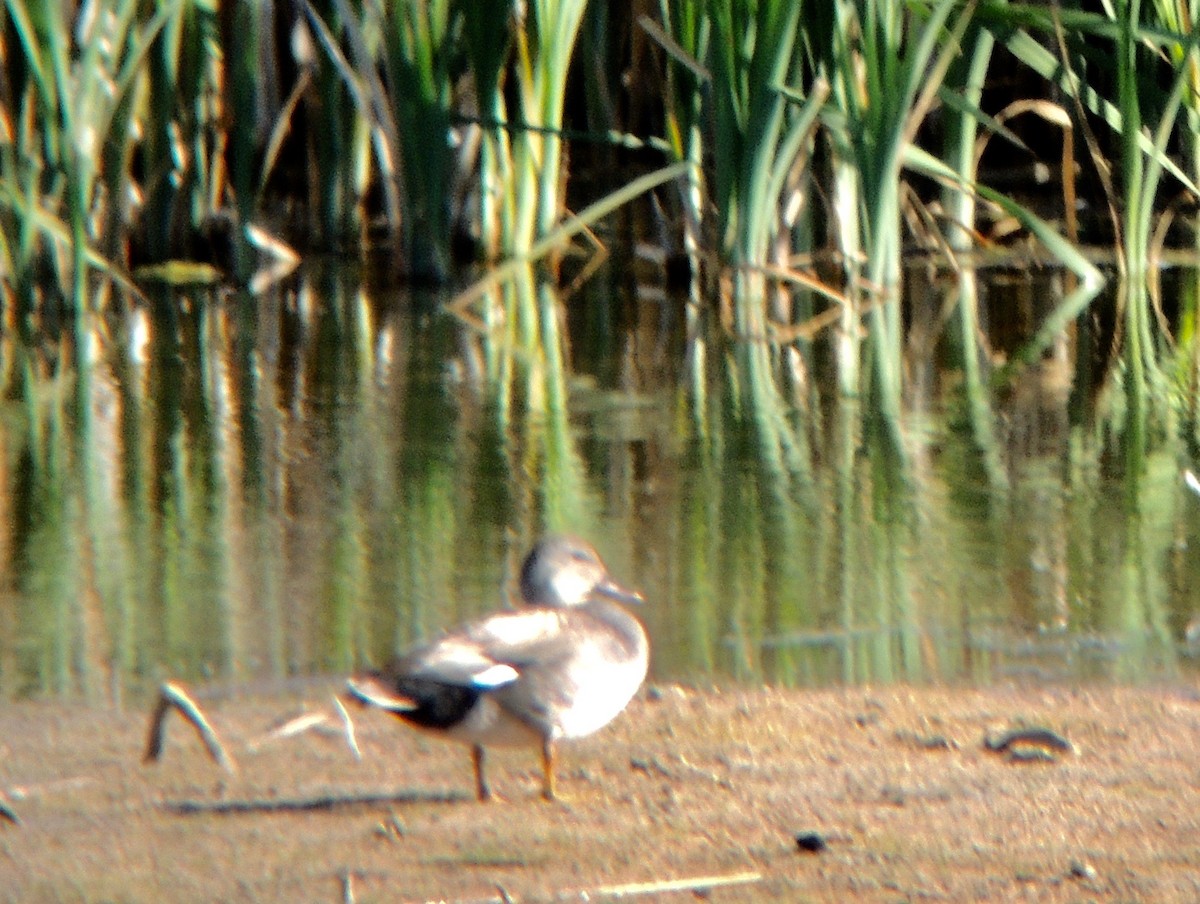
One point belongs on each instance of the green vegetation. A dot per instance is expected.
(129, 127)
(141, 140)
(805, 160)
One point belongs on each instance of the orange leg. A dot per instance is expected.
(548, 757)
(482, 791)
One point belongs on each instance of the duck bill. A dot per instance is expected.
(611, 589)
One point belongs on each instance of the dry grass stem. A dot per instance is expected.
(699, 886)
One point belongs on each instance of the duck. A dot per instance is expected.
(560, 666)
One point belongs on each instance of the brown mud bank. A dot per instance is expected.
(897, 783)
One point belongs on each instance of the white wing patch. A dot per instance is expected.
(456, 660)
(496, 676)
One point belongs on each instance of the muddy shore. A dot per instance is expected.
(691, 792)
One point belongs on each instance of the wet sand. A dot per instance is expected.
(687, 784)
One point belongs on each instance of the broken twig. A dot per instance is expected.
(172, 696)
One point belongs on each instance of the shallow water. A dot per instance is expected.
(237, 489)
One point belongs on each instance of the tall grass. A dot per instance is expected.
(803, 134)
(754, 59)
(522, 96)
(886, 62)
(242, 28)
(1152, 66)
(181, 162)
(420, 57)
(968, 75)
(71, 79)
(685, 36)
(193, 124)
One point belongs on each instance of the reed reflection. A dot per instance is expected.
(232, 488)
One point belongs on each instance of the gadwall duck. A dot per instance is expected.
(561, 666)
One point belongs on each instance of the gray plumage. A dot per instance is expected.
(561, 666)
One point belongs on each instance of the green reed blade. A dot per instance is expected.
(567, 230)
(53, 227)
(1037, 57)
(487, 46)
(923, 162)
(342, 105)
(1090, 278)
(418, 53)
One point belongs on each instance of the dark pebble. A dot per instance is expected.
(1081, 869)
(812, 842)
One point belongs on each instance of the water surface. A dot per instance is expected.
(235, 488)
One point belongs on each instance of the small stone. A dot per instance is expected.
(811, 842)
(1081, 869)
(391, 828)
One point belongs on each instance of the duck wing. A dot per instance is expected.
(441, 668)
(438, 684)
(479, 656)
(516, 638)
(577, 668)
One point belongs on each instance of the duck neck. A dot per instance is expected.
(625, 625)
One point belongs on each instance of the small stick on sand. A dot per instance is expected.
(9, 813)
(173, 696)
(694, 884)
(698, 886)
(348, 725)
(312, 721)
(294, 726)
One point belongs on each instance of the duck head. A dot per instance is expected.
(563, 571)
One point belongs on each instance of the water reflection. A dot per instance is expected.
(222, 487)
